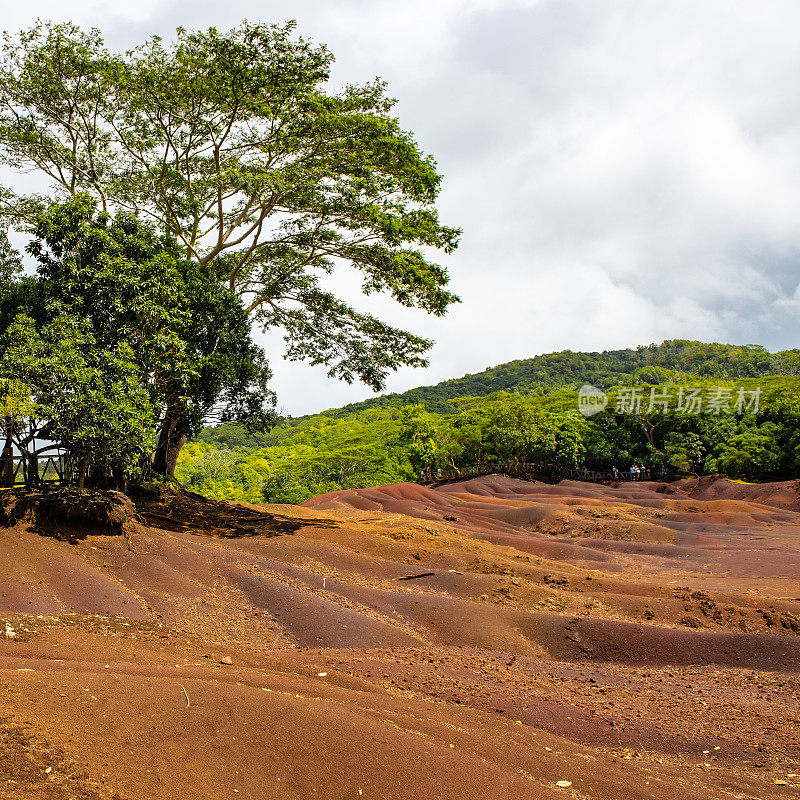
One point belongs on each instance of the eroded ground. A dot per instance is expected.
(493, 639)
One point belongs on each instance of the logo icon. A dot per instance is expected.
(591, 400)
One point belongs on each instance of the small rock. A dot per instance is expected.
(563, 784)
(227, 661)
(321, 674)
(779, 782)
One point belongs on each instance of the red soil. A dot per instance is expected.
(636, 640)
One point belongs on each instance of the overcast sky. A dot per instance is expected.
(624, 171)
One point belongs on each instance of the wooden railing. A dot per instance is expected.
(17, 470)
(530, 472)
(619, 475)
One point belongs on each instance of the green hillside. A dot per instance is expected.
(746, 426)
(648, 364)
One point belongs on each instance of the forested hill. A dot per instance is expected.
(650, 364)
(527, 412)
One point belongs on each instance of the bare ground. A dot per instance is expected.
(486, 640)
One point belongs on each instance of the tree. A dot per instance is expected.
(87, 398)
(187, 336)
(422, 435)
(752, 452)
(16, 408)
(10, 259)
(652, 375)
(469, 429)
(216, 463)
(685, 451)
(523, 434)
(262, 178)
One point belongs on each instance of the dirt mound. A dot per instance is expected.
(784, 494)
(31, 767)
(68, 514)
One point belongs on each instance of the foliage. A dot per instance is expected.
(421, 435)
(754, 450)
(519, 433)
(10, 259)
(684, 452)
(671, 362)
(300, 458)
(262, 179)
(86, 397)
(180, 339)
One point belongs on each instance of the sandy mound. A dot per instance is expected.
(785, 494)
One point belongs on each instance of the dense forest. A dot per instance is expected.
(679, 407)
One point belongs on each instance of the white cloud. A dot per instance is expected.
(405, 34)
(99, 13)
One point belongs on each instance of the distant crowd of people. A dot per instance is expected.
(636, 472)
(428, 475)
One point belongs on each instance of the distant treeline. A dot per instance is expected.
(715, 408)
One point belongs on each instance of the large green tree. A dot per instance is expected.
(523, 434)
(130, 286)
(264, 178)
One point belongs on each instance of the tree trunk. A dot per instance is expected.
(33, 471)
(81, 476)
(7, 465)
(171, 439)
(7, 462)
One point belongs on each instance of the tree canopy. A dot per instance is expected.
(87, 398)
(541, 433)
(116, 325)
(231, 145)
(673, 361)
